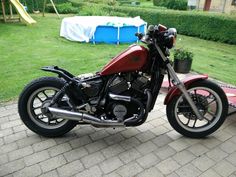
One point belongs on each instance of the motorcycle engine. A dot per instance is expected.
(90, 85)
(129, 85)
(119, 111)
(92, 88)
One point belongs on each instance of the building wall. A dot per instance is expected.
(217, 6)
(230, 8)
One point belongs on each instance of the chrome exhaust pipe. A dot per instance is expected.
(64, 114)
(77, 116)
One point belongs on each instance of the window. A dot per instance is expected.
(233, 2)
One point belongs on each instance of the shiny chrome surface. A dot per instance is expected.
(77, 116)
(120, 97)
(179, 84)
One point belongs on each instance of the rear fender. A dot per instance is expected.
(174, 91)
(61, 72)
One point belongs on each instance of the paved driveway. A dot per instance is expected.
(152, 149)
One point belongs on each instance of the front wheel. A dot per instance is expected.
(210, 100)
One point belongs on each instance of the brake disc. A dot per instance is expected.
(201, 103)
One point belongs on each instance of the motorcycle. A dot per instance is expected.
(123, 93)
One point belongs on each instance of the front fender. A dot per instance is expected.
(174, 91)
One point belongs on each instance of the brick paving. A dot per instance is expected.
(152, 149)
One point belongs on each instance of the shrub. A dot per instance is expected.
(182, 54)
(64, 8)
(176, 4)
(156, 2)
(172, 4)
(96, 10)
(107, 2)
(38, 4)
(199, 24)
(118, 14)
(91, 10)
(129, 3)
(182, 60)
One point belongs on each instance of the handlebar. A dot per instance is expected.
(139, 35)
(158, 33)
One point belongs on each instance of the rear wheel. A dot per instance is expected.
(212, 103)
(34, 96)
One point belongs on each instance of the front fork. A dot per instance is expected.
(181, 87)
(176, 81)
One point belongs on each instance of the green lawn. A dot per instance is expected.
(218, 60)
(25, 49)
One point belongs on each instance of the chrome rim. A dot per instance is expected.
(208, 103)
(34, 105)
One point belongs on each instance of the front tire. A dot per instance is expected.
(34, 95)
(211, 101)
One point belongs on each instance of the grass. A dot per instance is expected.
(218, 60)
(25, 49)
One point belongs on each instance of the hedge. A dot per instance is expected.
(38, 4)
(208, 26)
(172, 4)
(31, 5)
(63, 8)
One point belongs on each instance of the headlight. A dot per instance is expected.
(171, 37)
(172, 31)
(170, 41)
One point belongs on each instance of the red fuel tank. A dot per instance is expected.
(132, 59)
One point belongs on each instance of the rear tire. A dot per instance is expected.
(174, 107)
(29, 118)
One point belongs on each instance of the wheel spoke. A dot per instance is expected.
(211, 113)
(48, 122)
(211, 102)
(195, 92)
(181, 112)
(209, 96)
(43, 116)
(208, 121)
(183, 106)
(39, 98)
(57, 122)
(55, 92)
(208, 103)
(188, 121)
(36, 107)
(194, 122)
(39, 114)
(45, 94)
